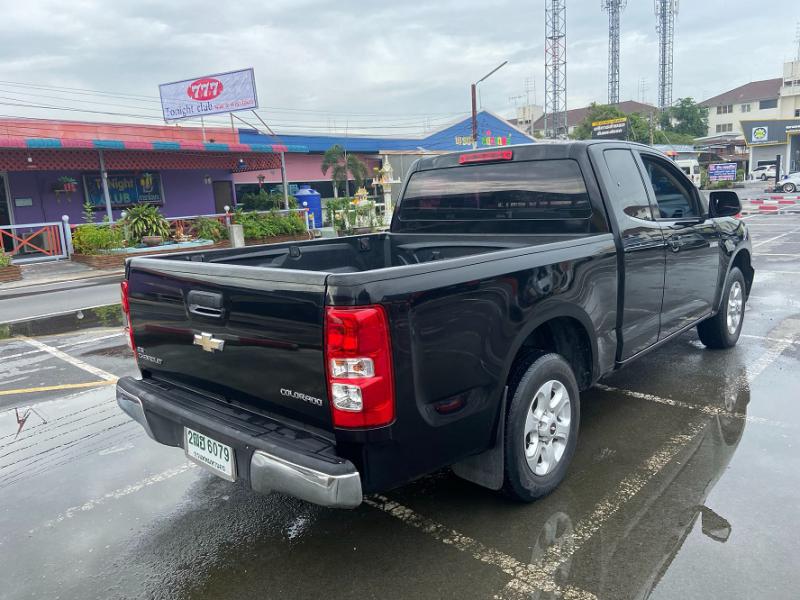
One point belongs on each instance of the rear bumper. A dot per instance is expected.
(271, 455)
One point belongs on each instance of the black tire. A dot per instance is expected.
(789, 188)
(714, 332)
(520, 481)
(763, 177)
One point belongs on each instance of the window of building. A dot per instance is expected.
(797, 112)
(765, 104)
(724, 127)
(724, 109)
(745, 108)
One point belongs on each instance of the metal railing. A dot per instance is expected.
(31, 242)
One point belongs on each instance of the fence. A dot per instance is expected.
(35, 242)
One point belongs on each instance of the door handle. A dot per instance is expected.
(205, 304)
(675, 243)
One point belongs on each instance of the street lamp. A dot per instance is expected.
(475, 104)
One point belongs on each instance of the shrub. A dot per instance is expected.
(97, 239)
(263, 200)
(145, 220)
(259, 225)
(5, 259)
(210, 229)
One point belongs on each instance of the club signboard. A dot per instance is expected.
(610, 129)
(209, 95)
(124, 189)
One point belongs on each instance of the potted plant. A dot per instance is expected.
(145, 224)
(8, 272)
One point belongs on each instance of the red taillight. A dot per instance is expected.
(126, 311)
(492, 155)
(359, 366)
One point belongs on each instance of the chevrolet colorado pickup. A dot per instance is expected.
(509, 281)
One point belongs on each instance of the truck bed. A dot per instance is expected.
(358, 254)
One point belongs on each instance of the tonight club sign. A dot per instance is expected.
(209, 95)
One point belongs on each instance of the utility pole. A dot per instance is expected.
(665, 27)
(555, 68)
(473, 92)
(614, 8)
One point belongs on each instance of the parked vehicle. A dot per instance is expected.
(763, 173)
(790, 183)
(510, 280)
(690, 168)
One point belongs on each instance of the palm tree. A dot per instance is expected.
(333, 160)
(342, 165)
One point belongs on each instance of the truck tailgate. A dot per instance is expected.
(245, 335)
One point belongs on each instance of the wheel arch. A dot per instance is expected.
(566, 330)
(742, 260)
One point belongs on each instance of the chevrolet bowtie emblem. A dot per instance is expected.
(208, 342)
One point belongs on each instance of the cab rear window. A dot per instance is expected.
(498, 193)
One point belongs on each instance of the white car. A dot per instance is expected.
(790, 183)
(763, 173)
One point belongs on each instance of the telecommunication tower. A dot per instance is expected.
(614, 8)
(555, 68)
(665, 27)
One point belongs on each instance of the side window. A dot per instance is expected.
(675, 200)
(628, 196)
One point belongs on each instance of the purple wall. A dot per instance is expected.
(184, 194)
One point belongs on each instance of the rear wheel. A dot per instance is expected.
(541, 428)
(723, 329)
(789, 187)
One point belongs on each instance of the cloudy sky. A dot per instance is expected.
(394, 67)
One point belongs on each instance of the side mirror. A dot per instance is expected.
(724, 204)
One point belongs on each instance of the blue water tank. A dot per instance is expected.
(308, 198)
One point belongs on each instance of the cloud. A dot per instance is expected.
(367, 64)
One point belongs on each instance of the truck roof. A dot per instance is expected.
(531, 151)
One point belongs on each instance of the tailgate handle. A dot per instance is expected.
(205, 304)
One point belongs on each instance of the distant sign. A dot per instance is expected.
(124, 189)
(611, 129)
(760, 135)
(722, 172)
(209, 95)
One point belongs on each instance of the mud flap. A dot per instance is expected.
(487, 468)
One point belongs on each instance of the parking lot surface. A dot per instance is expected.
(684, 485)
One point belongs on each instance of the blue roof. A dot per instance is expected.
(492, 131)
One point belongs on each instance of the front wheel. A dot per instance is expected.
(723, 329)
(789, 187)
(541, 428)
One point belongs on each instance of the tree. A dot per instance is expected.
(333, 160)
(639, 126)
(342, 165)
(686, 117)
(597, 112)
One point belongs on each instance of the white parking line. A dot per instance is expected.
(524, 578)
(67, 345)
(777, 237)
(76, 362)
(118, 493)
(775, 254)
(707, 409)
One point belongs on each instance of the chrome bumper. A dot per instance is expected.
(270, 473)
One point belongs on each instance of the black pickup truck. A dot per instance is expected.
(509, 281)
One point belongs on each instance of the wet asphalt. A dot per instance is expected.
(686, 484)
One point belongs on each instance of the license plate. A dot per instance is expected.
(215, 456)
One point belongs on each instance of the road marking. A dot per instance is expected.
(771, 272)
(777, 237)
(75, 362)
(67, 345)
(770, 339)
(707, 409)
(51, 388)
(775, 254)
(117, 494)
(524, 579)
